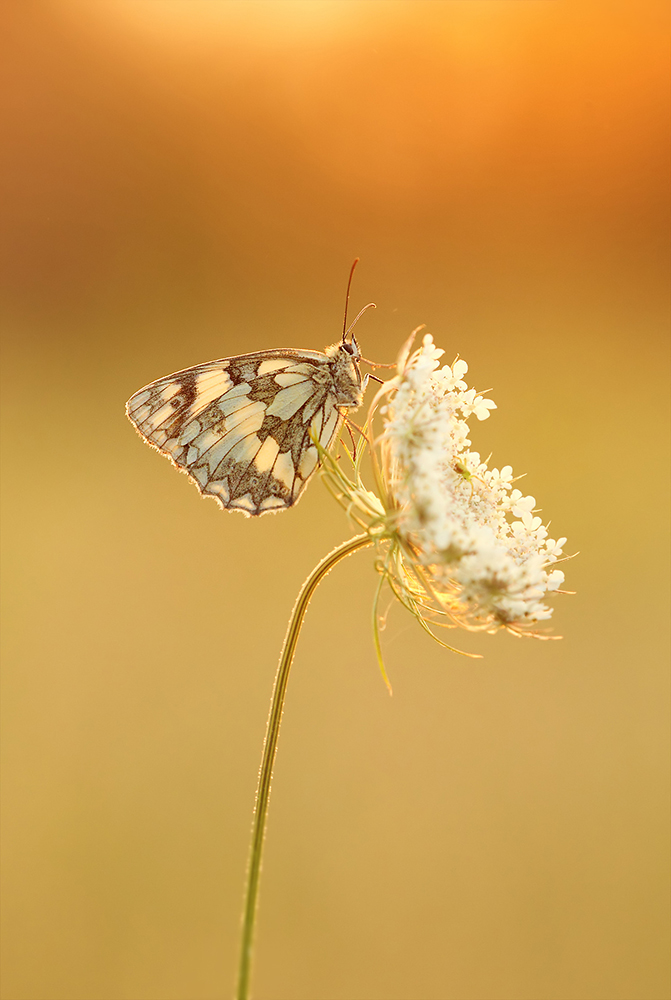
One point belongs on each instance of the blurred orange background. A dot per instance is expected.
(191, 180)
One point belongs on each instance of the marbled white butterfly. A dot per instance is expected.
(243, 428)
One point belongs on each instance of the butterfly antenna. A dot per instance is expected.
(371, 305)
(349, 285)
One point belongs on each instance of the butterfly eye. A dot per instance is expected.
(352, 348)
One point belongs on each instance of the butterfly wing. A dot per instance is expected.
(241, 427)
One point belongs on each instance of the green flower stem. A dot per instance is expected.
(270, 750)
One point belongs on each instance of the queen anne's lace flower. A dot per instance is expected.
(475, 536)
(456, 542)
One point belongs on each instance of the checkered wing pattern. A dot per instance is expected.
(241, 427)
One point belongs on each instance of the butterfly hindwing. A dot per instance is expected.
(241, 427)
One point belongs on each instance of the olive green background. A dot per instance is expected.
(191, 180)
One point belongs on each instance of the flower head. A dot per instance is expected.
(457, 543)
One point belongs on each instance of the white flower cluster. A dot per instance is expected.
(486, 555)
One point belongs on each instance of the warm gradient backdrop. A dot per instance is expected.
(188, 180)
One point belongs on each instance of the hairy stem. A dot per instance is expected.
(270, 750)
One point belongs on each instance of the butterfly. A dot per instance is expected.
(244, 428)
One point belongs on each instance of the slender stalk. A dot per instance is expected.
(270, 750)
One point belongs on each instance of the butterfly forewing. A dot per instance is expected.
(242, 428)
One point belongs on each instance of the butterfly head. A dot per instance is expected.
(352, 348)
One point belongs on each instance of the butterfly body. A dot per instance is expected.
(244, 428)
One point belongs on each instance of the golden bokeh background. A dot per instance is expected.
(190, 179)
